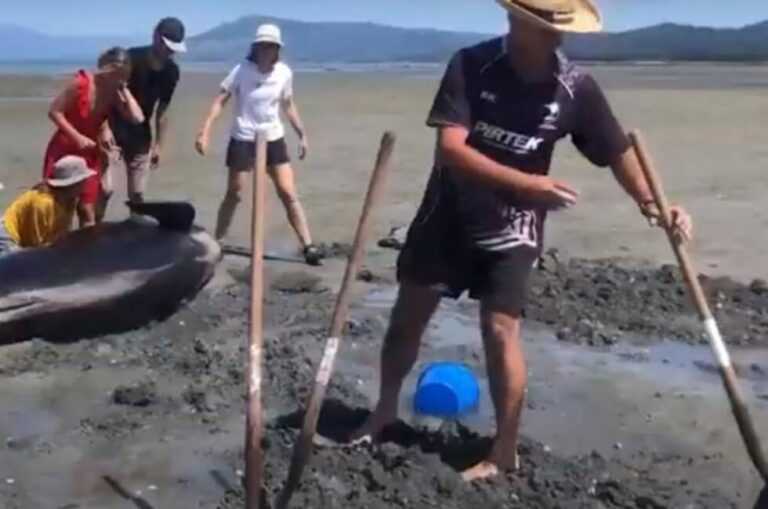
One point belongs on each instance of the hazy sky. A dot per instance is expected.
(132, 17)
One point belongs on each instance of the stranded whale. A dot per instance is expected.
(110, 278)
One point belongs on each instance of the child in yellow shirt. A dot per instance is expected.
(44, 214)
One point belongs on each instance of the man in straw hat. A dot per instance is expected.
(44, 214)
(501, 107)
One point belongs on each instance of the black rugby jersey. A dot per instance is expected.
(515, 123)
(150, 88)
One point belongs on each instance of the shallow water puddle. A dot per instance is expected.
(45, 441)
(616, 401)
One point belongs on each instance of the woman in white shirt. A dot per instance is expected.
(262, 85)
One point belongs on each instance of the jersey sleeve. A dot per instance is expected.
(451, 105)
(597, 133)
(169, 84)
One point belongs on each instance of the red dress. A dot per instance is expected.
(79, 115)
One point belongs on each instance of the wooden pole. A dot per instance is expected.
(730, 381)
(254, 460)
(303, 448)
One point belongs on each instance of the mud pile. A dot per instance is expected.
(416, 469)
(202, 350)
(602, 302)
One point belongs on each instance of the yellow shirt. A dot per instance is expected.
(36, 219)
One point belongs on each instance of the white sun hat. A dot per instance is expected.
(269, 33)
(68, 171)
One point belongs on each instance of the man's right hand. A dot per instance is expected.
(201, 144)
(551, 193)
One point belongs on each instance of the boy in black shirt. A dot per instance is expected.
(153, 81)
(501, 107)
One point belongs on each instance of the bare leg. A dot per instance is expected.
(508, 376)
(86, 213)
(137, 166)
(235, 186)
(101, 206)
(108, 163)
(285, 183)
(414, 307)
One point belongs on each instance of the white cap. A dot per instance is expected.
(176, 47)
(269, 34)
(172, 31)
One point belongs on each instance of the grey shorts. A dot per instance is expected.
(137, 166)
(7, 244)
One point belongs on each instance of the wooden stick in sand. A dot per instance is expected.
(738, 405)
(303, 448)
(254, 459)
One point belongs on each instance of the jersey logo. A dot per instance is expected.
(520, 230)
(488, 96)
(520, 144)
(552, 111)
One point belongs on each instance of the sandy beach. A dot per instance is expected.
(624, 409)
(702, 124)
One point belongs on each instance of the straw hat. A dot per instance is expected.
(68, 171)
(559, 15)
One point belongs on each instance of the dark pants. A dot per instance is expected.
(241, 155)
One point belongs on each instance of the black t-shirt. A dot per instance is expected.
(517, 124)
(149, 87)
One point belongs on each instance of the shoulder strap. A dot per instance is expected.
(83, 81)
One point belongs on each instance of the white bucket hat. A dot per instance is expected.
(558, 15)
(68, 171)
(269, 34)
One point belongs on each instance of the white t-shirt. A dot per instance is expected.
(257, 99)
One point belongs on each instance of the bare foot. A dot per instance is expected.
(483, 470)
(488, 469)
(373, 426)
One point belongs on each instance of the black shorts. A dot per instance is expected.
(437, 256)
(241, 155)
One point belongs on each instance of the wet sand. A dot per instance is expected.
(155, 417)
(702, 122)
(623, 408)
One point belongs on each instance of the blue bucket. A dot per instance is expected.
(447, 390)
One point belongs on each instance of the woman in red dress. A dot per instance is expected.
(80, 113)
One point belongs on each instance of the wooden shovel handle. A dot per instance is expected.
(728, 374)
(375, 190)
(303, 448)
(254, 458)
(683, 258)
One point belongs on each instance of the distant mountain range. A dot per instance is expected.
(674, 43)
(369, 42)
(18, 44)
(333, 42)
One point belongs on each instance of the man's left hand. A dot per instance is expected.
(303, 148)
(107, 143)
(681, 220)
(154, 157)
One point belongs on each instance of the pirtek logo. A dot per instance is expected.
(488, 96)
(519, 143)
